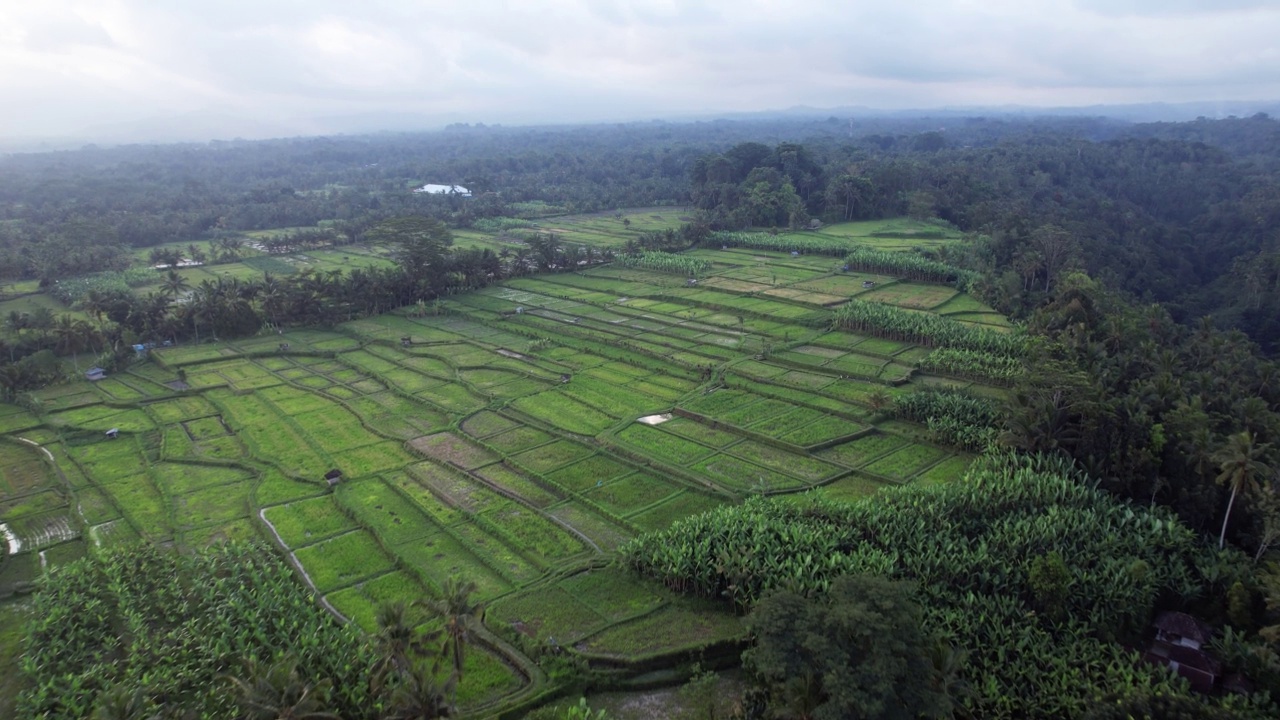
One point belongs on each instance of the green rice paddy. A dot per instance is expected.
(503, 447)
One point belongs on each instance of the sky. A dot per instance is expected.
(263, 67)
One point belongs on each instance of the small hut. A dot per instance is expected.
(113, 433)
(95, 374)
(333, 477)
(406, 341)
(1179, 645)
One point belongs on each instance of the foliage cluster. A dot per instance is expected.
(924, 329)
(974, 365)
(665, 262)
(973, 547)
(71, 291)
(168, 626)
(1148, 407)
(856, 650)
(955, 418)
(907, 265)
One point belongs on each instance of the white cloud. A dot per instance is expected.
(69, 64)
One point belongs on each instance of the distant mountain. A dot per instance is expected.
(1138, 112)
(215, 125)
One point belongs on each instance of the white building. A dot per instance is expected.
(444, 190)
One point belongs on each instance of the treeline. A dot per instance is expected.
(427, 268)
(1154, 410)
(1155, 212)
(1169, 211)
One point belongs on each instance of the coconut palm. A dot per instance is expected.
(71, 336)
(1240, 465)
(420, 696)
(174, 284)
(278, 692)
(454, 606)
(398, 644)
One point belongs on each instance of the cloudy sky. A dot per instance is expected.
(299, 66)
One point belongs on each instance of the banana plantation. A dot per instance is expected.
(1038, 645)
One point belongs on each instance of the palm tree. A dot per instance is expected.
(948, 676)
(95, 304)
(174, 284)
(278, 692)
(454, 606)
(879, 399)
(397, 643)
(1240, 464)
(41, 320)
(15, 322)
(272, 294)
(71, 336)
(420, 696)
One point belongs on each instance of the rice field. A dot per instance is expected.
(515, 449)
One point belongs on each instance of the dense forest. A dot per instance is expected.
(1182, 214)
(1142, 260)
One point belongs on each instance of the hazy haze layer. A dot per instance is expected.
(254, 67)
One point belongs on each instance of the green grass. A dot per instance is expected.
(905, 462)
(308, 521)
(519, 485)
(858, 452)
(456, 489)
(96, 507)
(380, 508)
(742, 476)
(780, 425)
(602, 532)
(144, 508)
(397, 586)
(439, 556)
(801, 466)
(823, 430)
(664, 446)
(613, 593)
(547, 614)
(218, 506)
(714, 437)
(562, 411)
(552, 455)
(625, 495)
(343, 560)
(454, 450)
(948, 470)
(22, 469)
(588, 473)
(179, 478)
(484, 424)
(719, 402)
(517, 439)
(851, 488)
(415, 485)
(371, 459)
(691, 625)
(534, 533)
(275, 488)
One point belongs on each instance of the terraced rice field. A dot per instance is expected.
(502, 444)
